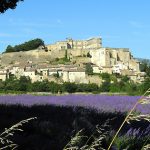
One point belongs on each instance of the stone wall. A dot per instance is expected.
(93, 43)
(94, 79)
(35, 56)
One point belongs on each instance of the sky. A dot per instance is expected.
(120, 23)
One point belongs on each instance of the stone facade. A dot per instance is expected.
(93, 43)
(74, 75)
(116, 59)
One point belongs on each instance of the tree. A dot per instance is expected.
(125, 78)
(29, 45)
(105, 87)
(8, 4)
(89, 55)
(70, 87)
(145, 67)
(24, 83)
(88, 69)
(10, 49)
(105, 76)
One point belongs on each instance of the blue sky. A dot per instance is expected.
(120, 23)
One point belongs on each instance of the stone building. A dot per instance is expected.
(116, 59)
(93, 43)
(74, 75)
(3, 74)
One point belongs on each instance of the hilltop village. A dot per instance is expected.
(66, 61)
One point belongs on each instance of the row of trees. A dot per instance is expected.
(30, 45)
(110, 84)
(24, 84)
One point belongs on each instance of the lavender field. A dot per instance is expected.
(98, 102)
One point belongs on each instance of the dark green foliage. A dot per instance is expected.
(105, 76)
(66, 55)
(105, 87)
(56, 125)
(145, 67)
(125, 78)
(8, 4)
(12, 84)
(70, 87)
(88, 69)
(114, 87)
(145, 85)
(109, 84)
(24, 83)
(130, 142)
(30, 45)
(88, 55)
(87, 88)
(55, 88)
(10, 49)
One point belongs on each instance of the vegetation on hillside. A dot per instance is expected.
(145, 66)
(88, 69)
(30, 45)
(111, 83)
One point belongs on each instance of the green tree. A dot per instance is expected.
(125, 78)
(88, 69)
(24, 83)
(8, 4)
(55, 88)
(114, 87)
(12, 84)
(10, 49)
(30, 45)
(89, 55)
(145, 67)
(105, 87)
(106, 77)
(70, 87)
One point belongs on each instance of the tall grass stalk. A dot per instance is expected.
(142, 100)
(5, 141)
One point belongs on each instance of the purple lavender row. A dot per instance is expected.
(98, 102)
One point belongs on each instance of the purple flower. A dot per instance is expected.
(99, 102)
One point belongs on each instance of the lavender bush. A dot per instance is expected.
(99, 102)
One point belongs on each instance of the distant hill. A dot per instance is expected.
(143, 60)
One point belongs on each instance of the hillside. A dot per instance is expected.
(35, 56)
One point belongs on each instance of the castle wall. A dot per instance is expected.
(134, 65)
(98, 57)
(123, 55)
(93, 43)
